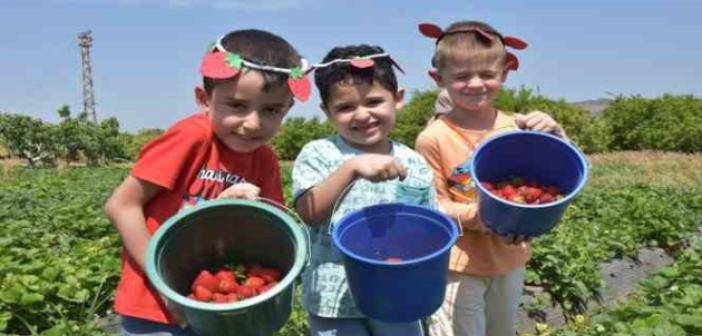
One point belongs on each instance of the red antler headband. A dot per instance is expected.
(361, 62)
(218, 63)
(512, 62)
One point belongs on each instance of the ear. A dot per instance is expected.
(202, 98)
(436, 76)
(399, 98)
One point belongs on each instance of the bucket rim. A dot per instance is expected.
(453, 236)
(284, 284)
(567, 198)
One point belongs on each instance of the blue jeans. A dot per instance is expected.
(132, 326)
(322, 326)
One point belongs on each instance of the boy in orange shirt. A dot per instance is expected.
(249, 80)
(486, 270)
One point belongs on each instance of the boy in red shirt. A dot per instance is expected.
(249, 80)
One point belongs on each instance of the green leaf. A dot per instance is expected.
(4, 319)
(29, 298)
(234, 60)
(296, 73)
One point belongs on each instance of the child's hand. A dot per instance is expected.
(540, 121)
(378, 167)
(241, 190)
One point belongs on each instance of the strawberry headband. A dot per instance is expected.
(361, 62)
(218, 63)
(512, 63)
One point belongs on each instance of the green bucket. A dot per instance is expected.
(220, 231)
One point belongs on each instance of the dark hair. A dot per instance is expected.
(263, 48)
(343, 72)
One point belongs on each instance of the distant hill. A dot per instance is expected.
(594, 106)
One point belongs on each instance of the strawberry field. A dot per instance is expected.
(60, 255)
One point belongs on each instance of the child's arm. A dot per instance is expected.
(315, 205)
(125, 208)
(466, 213)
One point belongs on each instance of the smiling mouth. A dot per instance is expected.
(366, 127)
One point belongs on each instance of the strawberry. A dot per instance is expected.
(488, 186)
(546, 198)
(255, 270)
(207, 280)
(254, 282)
(533, 194)
(267, 287)
(219, 298)
(393, 260)
(270, 275)
(300, 88)
(362, 63)
(202, 293)
(225, 274)
(232, 297)
(508, 191)
(227, 286)
(522, 190)
(245, 291)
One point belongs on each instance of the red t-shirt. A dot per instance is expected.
(191, 165)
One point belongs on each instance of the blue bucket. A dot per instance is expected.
(539, 156)
(404, 291)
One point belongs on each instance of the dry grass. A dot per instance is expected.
(9, 166)
(663, 169)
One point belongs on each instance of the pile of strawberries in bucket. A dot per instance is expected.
(232, 284)
(523, 191)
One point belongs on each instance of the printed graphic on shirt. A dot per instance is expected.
(208, 184)
(460, 183)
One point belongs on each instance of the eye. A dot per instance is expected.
(237, 107)
(345, 108)
(375, 102)
(488, 75)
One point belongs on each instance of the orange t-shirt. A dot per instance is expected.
(191, 165)
(448, 148)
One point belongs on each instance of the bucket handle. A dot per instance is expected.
(296, 216)
(457, 220)
(336, 204)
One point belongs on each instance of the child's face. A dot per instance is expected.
(244, 117)
(363, 114)
(471, 85)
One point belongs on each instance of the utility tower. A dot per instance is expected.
(85, 41)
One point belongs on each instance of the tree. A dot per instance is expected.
(27, 138)
(296, 132)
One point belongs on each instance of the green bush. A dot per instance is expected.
(670, 123)
(295, 133)
(590, 134)
(412, 119)
(132, 143)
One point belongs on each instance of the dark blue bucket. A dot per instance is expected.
(542, 157)
(404, 291)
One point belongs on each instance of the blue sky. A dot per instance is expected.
(146, 52)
